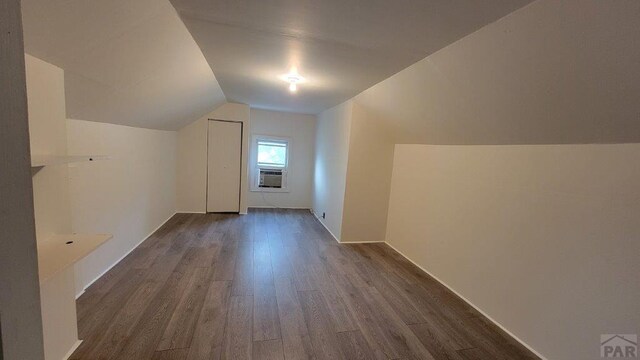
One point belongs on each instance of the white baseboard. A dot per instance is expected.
(362, 242)
(189, 212)
(123, 256)
(325, 226)
(279, 207)
(343, 242)
(470, 304)
(73, 348)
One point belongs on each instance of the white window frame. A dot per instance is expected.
(255, 168)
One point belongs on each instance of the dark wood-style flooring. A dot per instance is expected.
(274, 284)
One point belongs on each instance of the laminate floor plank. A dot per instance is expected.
(181, 326)
(122, 325)
(177, 354)
(475, 354)
(321, 331)
(295, 335)
(268, 350)
(437, 345)
(226, 264)
(380, 325)
(237, 338)
(400, 303)
(209, 330)
(274, 284)
(104, 285)
(354, 346)
(449, 324)
(243, 273)
(341, 317)
(203, 256)
(157, 315)
(266, 324)
(95, 316)
(302, 274)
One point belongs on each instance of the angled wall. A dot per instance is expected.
(352, 179)
(553, 72)
(125, 63)
(368, 178)
(529, 232)
(191, 184)
(129, 196)
(331, 157)
(20, 315)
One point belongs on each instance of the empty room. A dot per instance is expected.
(335, 179)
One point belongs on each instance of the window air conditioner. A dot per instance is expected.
(271, 178)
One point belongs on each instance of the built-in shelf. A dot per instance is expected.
(57, 252)
(44, 160)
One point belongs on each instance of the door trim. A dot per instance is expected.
(206, 193)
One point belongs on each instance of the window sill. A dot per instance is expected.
(269, 190)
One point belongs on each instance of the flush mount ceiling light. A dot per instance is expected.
(293, 78)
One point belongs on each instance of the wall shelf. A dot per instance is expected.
(57, 252)
(45, 160)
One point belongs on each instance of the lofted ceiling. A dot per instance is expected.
(555, 72)
(340, 47)
(151, 63)
(126, 62)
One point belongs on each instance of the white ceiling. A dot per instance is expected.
(341, 47)
(125, 62)
(135, 63)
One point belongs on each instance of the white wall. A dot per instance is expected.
(542, 238)
(21, 335)
(555, 71)
(300, 130)
(191, 188)
(368, 178)
(192, 167)
(48, 136)
(331, 157)
(353, 162)
(128, 196)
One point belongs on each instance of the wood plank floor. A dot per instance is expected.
(274, 284)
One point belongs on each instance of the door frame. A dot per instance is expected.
(206, 208)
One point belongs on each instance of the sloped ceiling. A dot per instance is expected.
(126, 62)
(554, 72)
(341, 47)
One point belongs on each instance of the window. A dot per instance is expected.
(272, 153)
(270, 158)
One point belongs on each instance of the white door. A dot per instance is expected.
(224, 159)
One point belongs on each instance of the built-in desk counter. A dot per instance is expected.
(57, 252)
(57, 255)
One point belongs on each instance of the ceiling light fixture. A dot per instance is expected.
(293, 78)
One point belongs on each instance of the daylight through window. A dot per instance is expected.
(272, 154)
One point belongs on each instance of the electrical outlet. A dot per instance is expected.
(324, 215)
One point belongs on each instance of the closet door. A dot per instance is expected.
(224, 159)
